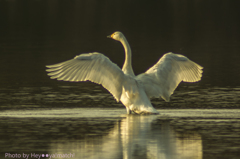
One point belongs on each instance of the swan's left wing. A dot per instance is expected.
(94, 67)
(163, 78)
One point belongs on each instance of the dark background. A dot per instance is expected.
(34, 33)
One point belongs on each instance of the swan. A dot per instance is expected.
(133, 91)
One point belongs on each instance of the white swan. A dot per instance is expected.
(133, 91)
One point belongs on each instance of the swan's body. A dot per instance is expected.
(133, 91)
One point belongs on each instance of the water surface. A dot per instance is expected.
(110, 133)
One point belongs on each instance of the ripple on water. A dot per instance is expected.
(96, 96)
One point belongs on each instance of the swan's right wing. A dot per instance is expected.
(94, 67)
(163, 78)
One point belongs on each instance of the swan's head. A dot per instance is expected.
(116, 36)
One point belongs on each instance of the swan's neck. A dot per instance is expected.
(127, 66)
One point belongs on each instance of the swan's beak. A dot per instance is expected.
(110, 36)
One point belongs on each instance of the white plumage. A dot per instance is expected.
(133, 91)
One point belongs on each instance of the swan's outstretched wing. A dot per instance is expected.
(163, 78)
(94, 67)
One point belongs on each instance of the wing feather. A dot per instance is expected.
(94, 67)
(163, 78)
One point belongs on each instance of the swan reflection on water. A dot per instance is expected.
(135, 137)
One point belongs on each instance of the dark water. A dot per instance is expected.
(39, 115)
(110, 133)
